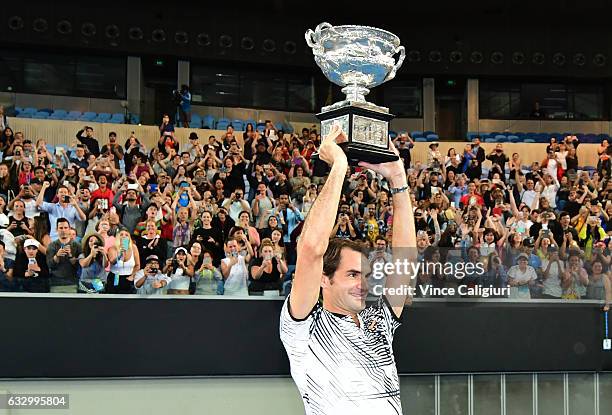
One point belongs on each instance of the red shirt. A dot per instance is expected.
(465, 199)
(103, 194)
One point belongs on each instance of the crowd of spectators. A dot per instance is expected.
(221, 215)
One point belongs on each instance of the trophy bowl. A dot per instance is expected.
(356, 58)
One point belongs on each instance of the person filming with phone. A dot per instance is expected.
(62, 257)
(66, 207)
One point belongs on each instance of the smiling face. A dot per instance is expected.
(347, 288)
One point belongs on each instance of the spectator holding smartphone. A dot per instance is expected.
(150, 280)
(31, 271)
(93, 261)
(66, 208)
(62, 257)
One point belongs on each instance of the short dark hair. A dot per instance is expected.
(60, 220)
(333, 253)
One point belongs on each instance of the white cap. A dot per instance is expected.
(31, 242)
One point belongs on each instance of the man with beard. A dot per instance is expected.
(130, 211)
(112, 147)
(84, 196)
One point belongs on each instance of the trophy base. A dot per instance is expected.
(367, 130)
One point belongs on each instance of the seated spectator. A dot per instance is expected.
(150, 280)
(93, 261)
(31, 272)
(7, 280)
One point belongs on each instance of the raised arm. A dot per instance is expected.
(311, 247)
(404, 235)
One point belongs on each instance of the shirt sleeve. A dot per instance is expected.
(294, 333)
(46, 207)
(390, 320)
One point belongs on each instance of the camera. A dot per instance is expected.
(66, 199)
(154, 270)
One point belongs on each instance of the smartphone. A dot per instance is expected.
(453, 205)
(31, 261)
(153, 187)
(125, 244)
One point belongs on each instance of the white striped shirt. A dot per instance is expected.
(340, 368)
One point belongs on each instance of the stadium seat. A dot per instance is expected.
(41, 115)
(114, 121)
(490, 140)
(392, 135)
(426, 133)
(513, 138)
(471, 134)
(196, 121)
(60, 113)
(420, 140)
(261, 127)
(529, 140)
(134, 119)
(24, 115)
(500, 138)
(18, 110)
(432, 137)
(209, 122)
(71, 117)
(104, 116)
(88, 116)
(75, 114)
(222, 124)
(30, 110)
(415, 134)
(238, 125)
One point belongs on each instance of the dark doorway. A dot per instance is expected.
(451, 108)
(160, 79)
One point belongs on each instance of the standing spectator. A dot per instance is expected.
(404, 143)
(184, 106)
(67, 207)
(520, 277)
(179, 271)
(208, 278)
(498, 157)
(267, 271)
(112, 148)
(86, 137)
(234, 270)
(62, 257)
(236, 204)
(125, 263)
(130, 211)
(93, 261)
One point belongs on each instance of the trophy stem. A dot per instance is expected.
(355, 93)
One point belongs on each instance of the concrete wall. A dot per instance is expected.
(544, 126)
(63, 102)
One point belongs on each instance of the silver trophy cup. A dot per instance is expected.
(357, 58)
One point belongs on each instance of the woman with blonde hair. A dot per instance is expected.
(125, 262)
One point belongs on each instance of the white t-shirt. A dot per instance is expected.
(342, 368)
(236, 282)
(550, 193)
(552, 284)
(521, 292)
(527, 197)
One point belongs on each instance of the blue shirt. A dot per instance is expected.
(56, 211)
(457, 192)
(292, 219)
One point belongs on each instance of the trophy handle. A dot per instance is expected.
(402, 52)
(309, 35)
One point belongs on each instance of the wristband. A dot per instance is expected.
(395, 190)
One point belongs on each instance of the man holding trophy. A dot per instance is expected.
(340, 351)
